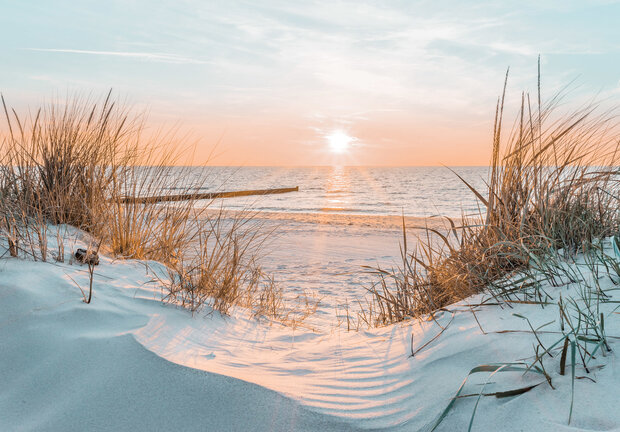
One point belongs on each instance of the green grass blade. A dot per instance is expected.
(504, 367)
(573, 354)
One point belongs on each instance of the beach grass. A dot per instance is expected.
(552, 199)
(74, 162)
(552, 189)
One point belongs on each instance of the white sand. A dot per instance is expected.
(127, 362)
(323, 254)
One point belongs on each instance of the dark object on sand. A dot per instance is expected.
(212, 195)
(87, 257)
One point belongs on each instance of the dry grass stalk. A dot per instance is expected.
(222, 271)
(552, 187)
(74, 163)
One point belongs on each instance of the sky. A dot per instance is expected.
(313, 82)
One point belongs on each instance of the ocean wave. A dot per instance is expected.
(338, 191)
(341, 209)
(414, 191)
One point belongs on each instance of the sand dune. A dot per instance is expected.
(128, 362)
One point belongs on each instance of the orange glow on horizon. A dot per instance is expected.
(286, 141)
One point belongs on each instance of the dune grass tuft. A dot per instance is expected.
(74, 162)
(552, 187)
(552, 200)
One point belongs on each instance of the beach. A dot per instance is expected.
(309, 216)
(330, 256)
(128, 361)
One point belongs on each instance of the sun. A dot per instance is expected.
(339, 141)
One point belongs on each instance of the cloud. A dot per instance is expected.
(157, 57)
(425, 58)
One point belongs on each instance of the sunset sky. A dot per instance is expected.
(313, 83)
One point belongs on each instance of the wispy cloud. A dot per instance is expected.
(272, 67)
(157, 57)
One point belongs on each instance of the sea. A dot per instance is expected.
(409, 191)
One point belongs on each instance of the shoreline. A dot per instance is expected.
(387, 222)
(330, 256)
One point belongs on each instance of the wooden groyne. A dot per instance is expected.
(206, 196)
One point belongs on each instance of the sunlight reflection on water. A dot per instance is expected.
(414, 191)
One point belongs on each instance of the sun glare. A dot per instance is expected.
(339, 141)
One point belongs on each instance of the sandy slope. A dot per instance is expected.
(127, 362)
(68, 366)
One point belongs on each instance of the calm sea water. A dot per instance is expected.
(416, 191)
